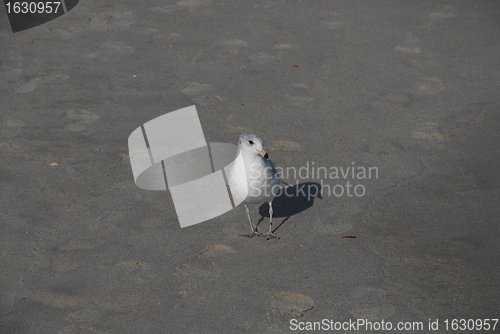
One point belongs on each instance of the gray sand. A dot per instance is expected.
(409, 87)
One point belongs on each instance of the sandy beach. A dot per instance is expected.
(406, 89)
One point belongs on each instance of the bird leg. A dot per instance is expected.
(270, 234)
(253, 232)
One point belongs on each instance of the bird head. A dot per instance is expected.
(251, 143)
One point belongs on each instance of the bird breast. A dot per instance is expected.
(238, 180)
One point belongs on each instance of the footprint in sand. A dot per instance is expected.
(291, 303)
(195, 88)
(216, 250)
(446, 13)
(286, 146)
(111, 21)
(233, 46)
(82, 119)
(428, 86)
(428, 132)
(14, 123)
(263, 58)
(33, 83)
(410, 45)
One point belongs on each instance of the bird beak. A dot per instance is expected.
(263, 154)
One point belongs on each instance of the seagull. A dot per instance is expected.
(253, 179)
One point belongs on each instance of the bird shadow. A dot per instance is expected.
(291, 200)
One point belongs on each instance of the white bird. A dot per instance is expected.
(253, 179)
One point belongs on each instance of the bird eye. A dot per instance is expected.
(251, 142)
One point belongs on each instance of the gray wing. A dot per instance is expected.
(271, 172)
